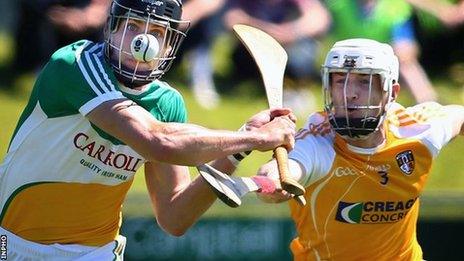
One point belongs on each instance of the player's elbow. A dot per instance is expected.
(175, 231)
(172, 228)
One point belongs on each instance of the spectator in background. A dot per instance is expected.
(204, 16)
(440, 32)
(385, 21)
(293, 23)
(449, 12)
(46, 25)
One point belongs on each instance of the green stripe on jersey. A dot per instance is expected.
(88, 70)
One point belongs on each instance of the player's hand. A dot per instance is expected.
(278, 132)
(265, 116)
(276, 195)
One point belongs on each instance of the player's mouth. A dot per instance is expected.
(352, 110)
(142, 66)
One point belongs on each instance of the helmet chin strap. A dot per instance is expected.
(358, 127)
(355, 129)
(129, 82)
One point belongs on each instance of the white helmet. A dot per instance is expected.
(360, 56)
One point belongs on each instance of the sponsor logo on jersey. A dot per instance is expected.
(373, 212)
(345, 171)
(105, 155)
(405, 161)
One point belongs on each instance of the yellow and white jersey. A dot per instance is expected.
(363, 204)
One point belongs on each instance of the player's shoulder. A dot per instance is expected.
(166, 88)
(78, 58)
(420, 113)
(71, 53)
(414, 120)
(317, 125)
(165, 93)
(169, 101)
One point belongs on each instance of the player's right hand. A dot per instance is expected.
(278, 132)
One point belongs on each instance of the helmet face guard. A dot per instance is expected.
(163, 14)
(358, 56)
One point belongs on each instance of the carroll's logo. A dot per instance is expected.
(105, 155)
(373, 212)
(405, 161)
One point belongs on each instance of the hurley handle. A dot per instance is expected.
(287, 183)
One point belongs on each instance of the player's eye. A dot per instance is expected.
(365, 81)
(340, 81)
(157, 33)
(132, 27)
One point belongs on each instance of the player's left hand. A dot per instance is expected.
(277, 196)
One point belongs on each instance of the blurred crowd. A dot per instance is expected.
(427, 36)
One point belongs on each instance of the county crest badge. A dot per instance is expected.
(405, 161)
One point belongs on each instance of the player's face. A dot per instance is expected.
(360, 90)
(126, 33)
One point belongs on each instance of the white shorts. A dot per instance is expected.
(13, 247)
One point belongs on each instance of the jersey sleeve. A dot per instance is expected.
(314, 149)
(439, 123)
(77, 79)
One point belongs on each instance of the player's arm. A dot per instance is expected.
(456, 113)
(310, 160)
(229, 164)
(181, 143)
(177, 203)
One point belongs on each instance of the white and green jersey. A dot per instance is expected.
(63, 180)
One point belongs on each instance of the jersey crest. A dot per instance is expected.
(405, 161)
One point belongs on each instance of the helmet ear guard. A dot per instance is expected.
(359, 56)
